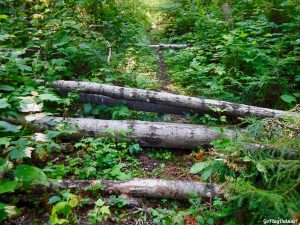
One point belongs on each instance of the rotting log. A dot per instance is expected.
(166, 46)
(133, 190)
(169, 46)
(153, 134)
(146, 188)
(189, 103)
(131, 104)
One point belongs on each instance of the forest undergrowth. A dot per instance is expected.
(244, 51)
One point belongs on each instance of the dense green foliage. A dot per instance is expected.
(242, 51)
(262, 183)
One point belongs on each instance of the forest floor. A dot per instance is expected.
(109, 159)
(169, 164)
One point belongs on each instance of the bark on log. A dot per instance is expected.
(167, 46)
(154, 134)
(148, 188)
(135, 105)
(189, 103)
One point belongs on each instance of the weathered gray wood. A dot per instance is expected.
(148, 188)
(131, 104)
(189, 103)
(169, 46)
(154, 134)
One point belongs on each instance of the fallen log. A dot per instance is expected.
(153, 134)
(166, 46)
(146, 188)
(189, 103)
(131, 104)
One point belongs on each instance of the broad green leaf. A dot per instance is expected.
(53, 217)
(62, 221)
(296, 94)
(49, 97)
(200, 220)
(288, 98)
(135, 148)
(84, 46)
(30, 174)
(105, 210)
(61, 39)
(5, 165)
(4, 103)
(206, 174)
(62, 208)
(210, 221)
(4, 141)
(2, 16)
(18, 153)
(73, 200)
(7, 127)
(167, 221)
(124, 176)
(4, 37)
(99, 202)
(6, 88)
(54, 199)
(261, 168)
(198, 167)
(24, 67)
(21, 142)
(8, 186)
(20, 149)
(87, 108)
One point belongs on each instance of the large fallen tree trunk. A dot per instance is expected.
(189, 103)
(131, 104)
(149, 188)
(154, 134)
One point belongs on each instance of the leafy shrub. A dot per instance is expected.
(260, 169)
(241, 52)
